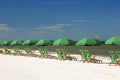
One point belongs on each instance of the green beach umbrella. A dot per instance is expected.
(44, 42)
(29, 42)
(6, 42)
(1, 42)
(113, 41)
(63, 42)
(88, 42)
(16, 42)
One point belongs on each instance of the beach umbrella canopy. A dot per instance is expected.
(88, 42)
(63, 42)
(6, 42)
(16, 42)
(29, 42)
(1, 42)
(113, 40)
(44, 42)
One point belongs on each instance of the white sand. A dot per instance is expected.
(30, 68)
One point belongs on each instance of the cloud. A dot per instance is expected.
(64, 25)
(114, 20)
(4, 27)
(56, 30)
(43, 31)
(48, 27)
(38, 32)
(54, 27)
(82, 20)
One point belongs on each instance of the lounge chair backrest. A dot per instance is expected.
(88, 55)
(45, 52)
(28, 50)
(118, 54)
(63, 54)
(59, 53)
(112, 56)
(87, 52)
(83, 56)
(41, 52)
(18, 50)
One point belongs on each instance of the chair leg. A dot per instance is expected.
(119, 63)
(83, 61)
(110, 64)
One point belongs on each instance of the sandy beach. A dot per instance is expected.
(31, 68)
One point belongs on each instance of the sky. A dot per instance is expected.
(54, 19)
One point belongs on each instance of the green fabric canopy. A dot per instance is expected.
(88, 42)
(6, 42)
(113, 40)
(16, 42)
(1, 42)
(30, 42)
(63, 42)
(44, 42)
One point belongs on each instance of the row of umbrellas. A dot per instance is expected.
(27, 42)
(64, 42)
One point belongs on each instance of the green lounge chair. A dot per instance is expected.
(41, 52)
(118, 54)
(83, 56)
(28, 52)
(113, 57)
(118, 57)
(6, 51)
(88, 55)
(45, 53)
(15, 51)
(59, 54)
(19, 53)
(89, 58)
(64, 54)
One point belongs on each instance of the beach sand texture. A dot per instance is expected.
(31, 68)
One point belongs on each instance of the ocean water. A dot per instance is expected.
(94, 50)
